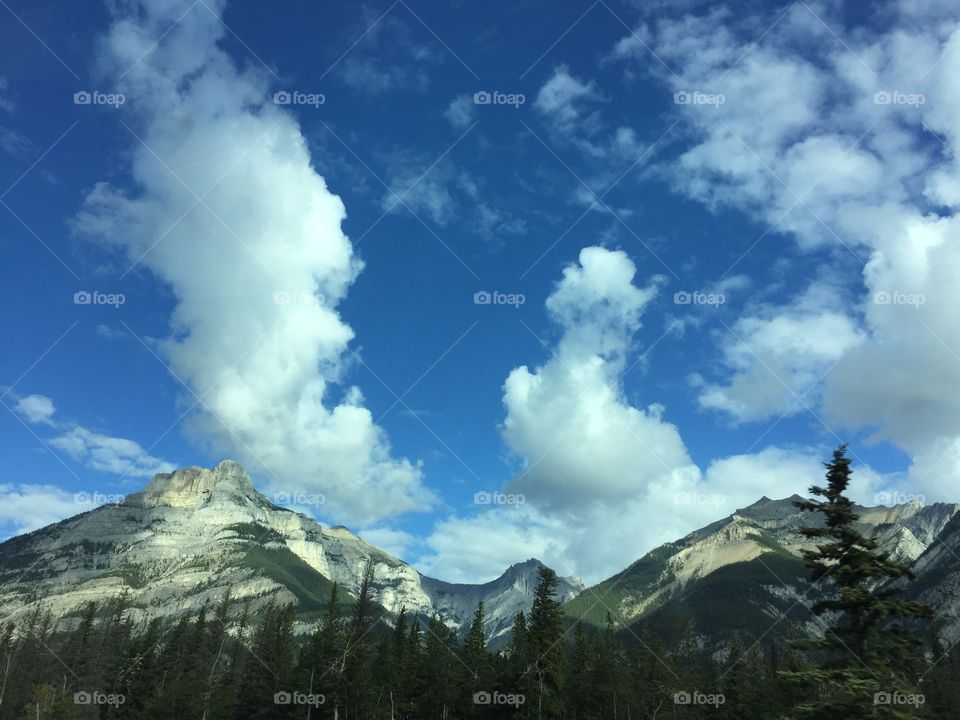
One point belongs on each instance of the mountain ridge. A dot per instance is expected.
(192, 534)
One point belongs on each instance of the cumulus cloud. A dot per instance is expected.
(602, 480)
(36, 409)
(251, 245)
(830, 143)
(564, 414)
(779, 356)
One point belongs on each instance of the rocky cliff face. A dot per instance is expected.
(193, 534)
(938, 581)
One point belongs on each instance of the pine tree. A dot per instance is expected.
(440, 671)
(475, 645)
(545, 637)
(358, 654)
(744, 682)
(580, 677)
(865, 653)
(477, 665)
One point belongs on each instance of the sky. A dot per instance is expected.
(480, 281)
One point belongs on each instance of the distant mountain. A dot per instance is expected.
(193, 534)
(745, 573)
(503, 598)
(190, 536)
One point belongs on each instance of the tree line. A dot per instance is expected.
(876, 657)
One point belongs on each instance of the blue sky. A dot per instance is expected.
(299, 280)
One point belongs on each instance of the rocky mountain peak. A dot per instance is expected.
(766, 509)
(194, 486)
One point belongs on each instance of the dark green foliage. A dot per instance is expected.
(867, 652)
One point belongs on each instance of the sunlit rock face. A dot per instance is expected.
(192, 535)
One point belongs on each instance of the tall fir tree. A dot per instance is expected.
(867, 654)
(545, 645)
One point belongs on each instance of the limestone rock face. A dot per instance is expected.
(191, 535)
(193, 487)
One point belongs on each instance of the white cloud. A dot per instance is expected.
(596, 540)
(27, 507)
(37, 409)
(779, 356)
(563, 415)
(423, 194)
(563, 97)
(804, 143)
(267, 224)
(398, 543)
(461, 112)
(603, 481)
(95, 450)
(110, 454)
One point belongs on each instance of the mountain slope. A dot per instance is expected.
(192, 535)
(938, 581)
(745, 572)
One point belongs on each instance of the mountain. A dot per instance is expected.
(503, 598)
(745, 573)
(191, 535)
(938, 581)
